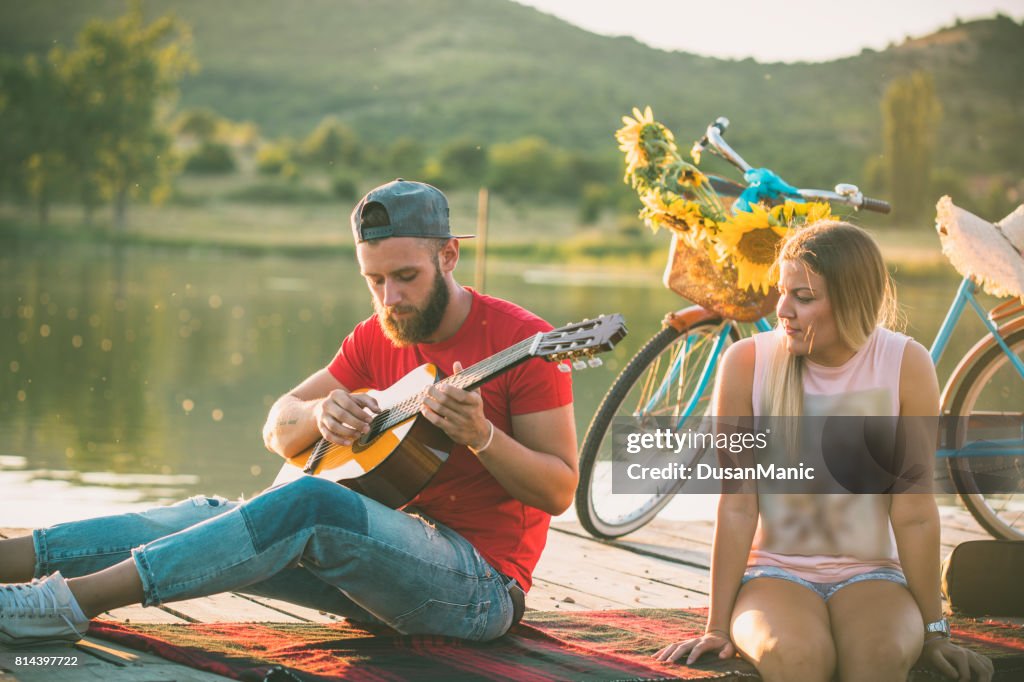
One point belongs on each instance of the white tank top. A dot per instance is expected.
(831, 538)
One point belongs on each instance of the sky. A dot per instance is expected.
(790, 30)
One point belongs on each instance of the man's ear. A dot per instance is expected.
(448, 256)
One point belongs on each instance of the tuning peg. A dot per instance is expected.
(579, 364)
(562, 367)
(594, 361)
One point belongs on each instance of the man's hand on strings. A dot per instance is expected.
(458, 413)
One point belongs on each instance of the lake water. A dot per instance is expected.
(130, 377)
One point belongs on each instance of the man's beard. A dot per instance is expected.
(422, 323)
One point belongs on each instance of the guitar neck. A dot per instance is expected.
(479, 374)
(468, 379)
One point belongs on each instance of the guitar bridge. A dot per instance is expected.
(315, 457)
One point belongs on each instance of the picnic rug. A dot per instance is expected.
(595, 646)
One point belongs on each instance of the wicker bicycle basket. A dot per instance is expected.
(692, 274)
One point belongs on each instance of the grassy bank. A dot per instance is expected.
(537, 235)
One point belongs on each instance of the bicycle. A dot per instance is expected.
(671, 376)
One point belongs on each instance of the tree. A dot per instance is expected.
(126, 74)
(200, 124)
(463, 162)
(404, 158)
(332, 143)
(34, 117)
(910, 116)
(525, 166)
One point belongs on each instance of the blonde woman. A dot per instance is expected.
(853, 594)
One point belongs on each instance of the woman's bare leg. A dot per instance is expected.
(878, 631)
(783, 629)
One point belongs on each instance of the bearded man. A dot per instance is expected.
(456, 561)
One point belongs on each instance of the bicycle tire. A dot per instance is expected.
(599, 429)
(989, 510)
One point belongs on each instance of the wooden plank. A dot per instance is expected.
(607, 564)
(595, 579)
(689, 543)
(302, 613)
(140, 614)
(14, 532)
(546, 595)
(226, 608)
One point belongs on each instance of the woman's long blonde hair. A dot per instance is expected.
(859, 287)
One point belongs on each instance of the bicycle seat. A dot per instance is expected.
(988, 253)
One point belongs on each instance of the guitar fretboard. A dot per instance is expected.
(468, 379)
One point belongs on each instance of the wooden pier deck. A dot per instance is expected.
(662, 565)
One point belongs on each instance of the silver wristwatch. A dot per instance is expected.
(940, 626)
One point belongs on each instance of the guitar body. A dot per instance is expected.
(393, 467)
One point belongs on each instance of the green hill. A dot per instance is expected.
(495, 71)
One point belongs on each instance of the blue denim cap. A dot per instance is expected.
(413, 209)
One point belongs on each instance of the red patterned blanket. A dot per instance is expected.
(547, 646)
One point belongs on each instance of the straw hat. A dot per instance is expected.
(1013, 227)
(983, 251)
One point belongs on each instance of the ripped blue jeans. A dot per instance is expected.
(310, 542)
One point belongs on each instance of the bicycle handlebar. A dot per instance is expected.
(844, 193)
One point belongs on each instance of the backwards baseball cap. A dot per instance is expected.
(402, 208)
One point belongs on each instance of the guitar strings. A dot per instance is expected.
(399, 412)
(466, 379)
(409, 407)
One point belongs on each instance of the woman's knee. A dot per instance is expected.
(796, 657)
(867, 656)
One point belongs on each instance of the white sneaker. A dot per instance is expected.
(40, 611)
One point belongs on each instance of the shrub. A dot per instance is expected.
(211, 158)
(272, 159)
(344, 187)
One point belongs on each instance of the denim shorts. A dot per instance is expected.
(826, 590)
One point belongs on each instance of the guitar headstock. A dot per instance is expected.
(581, 340)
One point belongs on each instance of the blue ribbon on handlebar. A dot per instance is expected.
(763, 183)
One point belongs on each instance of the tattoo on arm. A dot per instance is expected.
(284, 421)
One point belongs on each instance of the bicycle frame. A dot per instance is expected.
(965, 295)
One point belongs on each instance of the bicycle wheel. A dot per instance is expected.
(992, 488)
(660, 380)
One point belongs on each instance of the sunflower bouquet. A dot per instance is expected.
(721, 258)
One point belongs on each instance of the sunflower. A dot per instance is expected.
(666, 209)
(639, 137)
(749, 241)
(817, 210)
(808, 212)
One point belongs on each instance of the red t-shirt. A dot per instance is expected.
(463, 495)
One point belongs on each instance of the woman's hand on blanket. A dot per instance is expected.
(955, 662)
(697, 647)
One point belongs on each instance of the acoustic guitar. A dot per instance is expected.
(402, 451)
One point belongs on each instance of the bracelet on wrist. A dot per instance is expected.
(487, 444)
